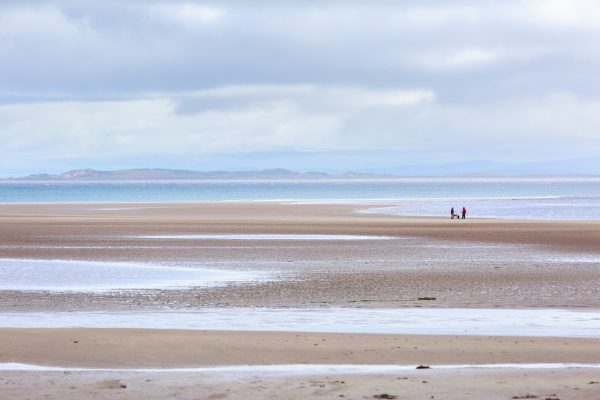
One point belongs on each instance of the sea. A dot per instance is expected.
(571, 198)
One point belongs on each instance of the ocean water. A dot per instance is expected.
(540, 208)
(98, 276)
(530, 198)
(418, 321)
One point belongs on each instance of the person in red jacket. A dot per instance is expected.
(464, 212)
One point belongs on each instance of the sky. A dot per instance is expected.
(306, 84)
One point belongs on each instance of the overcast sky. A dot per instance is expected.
(301, 84)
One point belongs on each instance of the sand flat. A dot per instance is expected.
(468, 264)
(439, 263)
(284, 218)
(79, 347)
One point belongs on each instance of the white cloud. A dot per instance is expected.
(458, 59)
(304, 117)
(393, 98)
(469, 57)
(326, 96)
(578, 14)
(263, 117)
(188, 15)
(557, 125)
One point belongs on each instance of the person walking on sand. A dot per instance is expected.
(452, 213)
(464, 213)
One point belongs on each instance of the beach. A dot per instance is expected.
(274, 200)
(268, 256)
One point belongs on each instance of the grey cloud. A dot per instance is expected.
(111, 47)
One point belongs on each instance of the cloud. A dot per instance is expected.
(572, 14)
(17, 23)
(198, 77)
(297, 117)
(114, 48)
(319, 98)
(457, 59)
(259, 118)
(188, 15)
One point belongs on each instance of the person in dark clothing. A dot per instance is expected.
(464, 213)
(452, 213)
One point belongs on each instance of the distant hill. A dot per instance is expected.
(475, 168)
(181, 174)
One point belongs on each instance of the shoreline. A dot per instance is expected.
(367, 207)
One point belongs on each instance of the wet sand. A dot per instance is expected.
(472, 263)
(277, 217)
(431, 257)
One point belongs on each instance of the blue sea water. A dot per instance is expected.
(544, 198)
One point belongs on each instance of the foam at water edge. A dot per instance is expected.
(308, 369)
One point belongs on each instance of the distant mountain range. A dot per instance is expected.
(181, 174)
(483, 168)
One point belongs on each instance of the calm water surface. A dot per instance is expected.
(544, 198)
